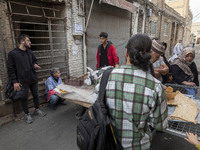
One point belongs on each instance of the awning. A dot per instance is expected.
(123, 4)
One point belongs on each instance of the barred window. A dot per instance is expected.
(166, 28)
(153, 28)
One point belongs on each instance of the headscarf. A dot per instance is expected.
(180, 61)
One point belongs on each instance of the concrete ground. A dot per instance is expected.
(57, 131)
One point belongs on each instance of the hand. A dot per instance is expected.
(116, 65)
(190, 84)
(191, 138)
(157, 74)
(36, 67)
(17, 86)
(164, 87)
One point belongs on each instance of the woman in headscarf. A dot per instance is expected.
(184, 69)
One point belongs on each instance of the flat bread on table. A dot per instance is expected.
(186, 110)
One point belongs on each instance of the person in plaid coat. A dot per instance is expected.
(136, 99)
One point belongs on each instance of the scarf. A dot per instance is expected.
(180, 61)
(55, 78)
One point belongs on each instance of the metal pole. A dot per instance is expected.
(89, 15)
(84, 44)
(11, 25)
(66, 45)
(136, 22)
(144, 17)
(50, 40)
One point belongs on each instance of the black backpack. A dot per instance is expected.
(95, 131)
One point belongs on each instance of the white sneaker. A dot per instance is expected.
(28, 118)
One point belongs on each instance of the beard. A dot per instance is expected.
(27, 45)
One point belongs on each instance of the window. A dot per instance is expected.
(166, 29)
(153, 28)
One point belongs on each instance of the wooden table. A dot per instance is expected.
(79, 95)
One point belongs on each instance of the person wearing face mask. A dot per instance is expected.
(184, 69)
(50, 84)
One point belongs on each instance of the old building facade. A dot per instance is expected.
(183, 8)
(65, 33)
(196, 32)
(164, 23)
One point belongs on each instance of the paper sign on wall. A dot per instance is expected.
(78, 28)
(75, 49)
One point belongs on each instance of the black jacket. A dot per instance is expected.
(103, 55)
(166, 77)
(20, 66)
(179, 75)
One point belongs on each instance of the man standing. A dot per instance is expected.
(160, 68)
(21, 71)
(106, 53)
(135, 99)
(178, 48)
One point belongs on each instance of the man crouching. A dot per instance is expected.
(50, 84)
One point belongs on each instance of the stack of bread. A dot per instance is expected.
(186, 108)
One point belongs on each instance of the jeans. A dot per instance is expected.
(191, 91)
(54, 100)
(34, 90)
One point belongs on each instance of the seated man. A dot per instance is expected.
(50, 84)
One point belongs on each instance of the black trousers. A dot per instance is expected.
(34, 90)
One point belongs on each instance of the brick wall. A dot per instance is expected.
(6, 45)
(75, 42)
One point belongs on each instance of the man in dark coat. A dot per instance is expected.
(21, 71)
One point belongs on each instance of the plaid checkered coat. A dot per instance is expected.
(135, 100)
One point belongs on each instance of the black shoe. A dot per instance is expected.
(77, 116)
(63, 102)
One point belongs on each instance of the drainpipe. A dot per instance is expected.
(84, 36)
(91, 6)
(135, 26)
(144, 17)
(161, 18)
